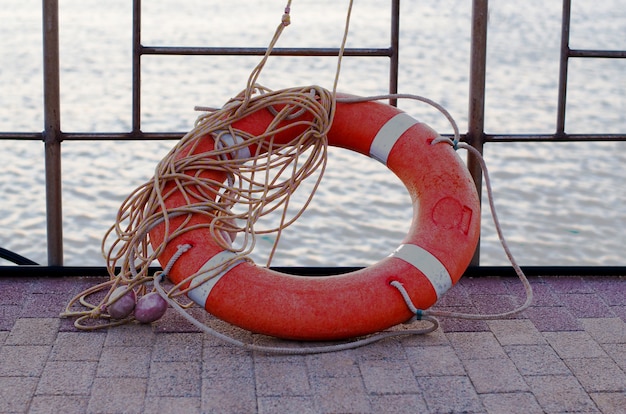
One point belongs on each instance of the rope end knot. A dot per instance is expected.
(418, 314)
(286, 20)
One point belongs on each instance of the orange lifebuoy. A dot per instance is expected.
(433, 256)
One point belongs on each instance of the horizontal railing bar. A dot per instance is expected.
(609, 54)
(553, 137)
(22, 136)
(96, 136)
(161, 136)
(508, 271)
(472, 271)
(260, 51)
(128, 136)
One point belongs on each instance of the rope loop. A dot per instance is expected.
(452, 142)
(419, 314)
(182, 248)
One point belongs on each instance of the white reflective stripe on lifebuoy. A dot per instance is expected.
(388, 135)
(227, 140)
(426, 263)
(200, 293)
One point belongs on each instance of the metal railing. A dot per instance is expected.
(53, 136)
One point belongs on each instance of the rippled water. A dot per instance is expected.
(560, 203)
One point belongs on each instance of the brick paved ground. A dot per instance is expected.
(565, 354)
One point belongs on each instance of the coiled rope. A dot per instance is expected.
(259, 183)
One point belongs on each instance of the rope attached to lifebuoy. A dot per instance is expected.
(260, 176)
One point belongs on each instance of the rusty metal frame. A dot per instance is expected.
(52, 132)
(53, 136)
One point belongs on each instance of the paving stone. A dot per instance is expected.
(46, 404)
(492, 304)
(456, 296)
(273, 342)
(577, 344)
(552, 319)
(33, 331)
(16, 393)
(543, 295)
(462, 325)
(174, 379)
(435, 338)
(560, 394)
(287, 404)
(605, 330)
(341, 395)
(228, 362)
(484, 367)
(398, 404)
(67, 325)
(494, 375)
(612, 289)
(450, 394)
(610, 402)
(68, 286)
(78, 346)
(130, 335)
(173, 322)
(597, 374)
(333, 364)
(567, 284)
(229, 395)
(282, 379)
(169, 347)
(476, 345)
(224, 328)
(129, 361)
(23, 360)
(117, 395)
(67, 378)
(14, 291)
(8, 315)
(39, 305)
(277, 358)
(171, 405)
(434, 360)
(618, 353)
(515, 332)
(382, 350)
(536, 360)
(513, 403)
(388, 377)
(586, 305)
(619, 311)
(492, 285)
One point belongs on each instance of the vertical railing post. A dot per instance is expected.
(478, 63)
(136, 85)
(52, 132)
(563, 68)
(395, 50)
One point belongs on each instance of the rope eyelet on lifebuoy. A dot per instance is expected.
(432, 257)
